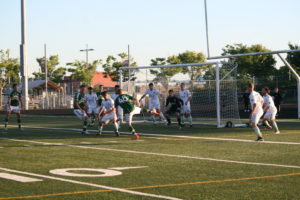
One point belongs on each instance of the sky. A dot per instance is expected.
(156, 28)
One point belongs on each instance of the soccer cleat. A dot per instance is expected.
(21, 129)
(117, 133)
(136, 136)
(259, 139)
(180, 127)
(85, 132)
(277, 132)
(5, 129)
(191, 125)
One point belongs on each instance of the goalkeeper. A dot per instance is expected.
(173, 107)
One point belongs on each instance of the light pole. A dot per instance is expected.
(87, 54)
(23, 55)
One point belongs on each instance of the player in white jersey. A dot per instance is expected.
(91, 99)
(154, 103)
(119, 110)
(109, 113)
(270, 110)
(257, 102)
(186, 97)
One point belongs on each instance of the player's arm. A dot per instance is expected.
(136, 101)
(189, 99)
(21, 102)
(100, 112)
(142, 97)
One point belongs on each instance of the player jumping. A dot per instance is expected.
(270, 110)
(154, 104)
(174, 108)
(257, 102)
(80, 107)
(13, 105)
(125, 101)
(186, 97)
(93, 110)
(109, 114)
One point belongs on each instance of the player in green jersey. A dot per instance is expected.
(100, 98)
(125, 101)
(80, 107)
(13, 105)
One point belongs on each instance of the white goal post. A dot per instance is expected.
(270, 53)
(217, 104)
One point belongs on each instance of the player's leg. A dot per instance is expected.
(182, 113)
(115, 124)
(100, 129)
(89, 114)
(161, 115)
(120, 116)
(85, 122)
(19, 120)
(273, 121)
(167, 115)
(128, 118)
(187, 110)
(7, 118)
(255, 120)
(178, 119)
(266, 118)
(153, 112)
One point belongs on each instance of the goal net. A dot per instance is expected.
(213, 87)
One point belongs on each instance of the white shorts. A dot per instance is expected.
(109, 117)
(79, 114)
(154, 105)
(14, 109)
(128, 116)
(120, 111)
(94, 110)
(256, 117)
(186, 109)
(270, 114)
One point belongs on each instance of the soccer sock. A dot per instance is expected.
(275, 126)
(162, 115)
(84, 125)
(116, 126)
(179, 121)
(6, 121)
(267, 123)
(19, 122)
(190, 120)
(100, 129)
(168, 120)
(182, 119)
(131, 129)
(257, 131)
(93, 118)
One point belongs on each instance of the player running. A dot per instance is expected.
(154, 104)
(125, 101)
(119, 110)
(13, 105)
(186, 97)
(257, 102)
(93, 110)
(80, 107)
(174, 105)
(270, 110)
(109, 114)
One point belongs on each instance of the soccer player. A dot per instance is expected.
(174, 108)
(100, 98)
(186, 97)
(80, 107)
(13, 105)
(154, 104)
(109, 114)
(120, 110)
(125, 101)
(257, 102)
(92, 99)
(270, 110)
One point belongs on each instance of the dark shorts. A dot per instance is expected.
(173, 111)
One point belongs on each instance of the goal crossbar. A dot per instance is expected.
(253, 54)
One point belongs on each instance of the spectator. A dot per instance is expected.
(246, 101)
(277, 100)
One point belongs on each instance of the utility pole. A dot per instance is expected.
(46, 75)
(23, 55)
(128, 63)
(206, 24)
(87, 54)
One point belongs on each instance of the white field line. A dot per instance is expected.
(169, 155)
(18, 178)
(174, 136)
(90, 184)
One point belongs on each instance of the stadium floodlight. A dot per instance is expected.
(215, 99)
(278, 53)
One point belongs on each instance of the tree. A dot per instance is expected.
(82, 71)
(294, 58)
(9, 71)
(112, 65)
(54, 73)
(249, 66)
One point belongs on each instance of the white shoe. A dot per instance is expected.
(5, 129)
(277, 132)
(85, 132)
(21, 129)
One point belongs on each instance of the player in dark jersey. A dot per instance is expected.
(14, 104)
(173, 107)
(100, 98)
(80, 107)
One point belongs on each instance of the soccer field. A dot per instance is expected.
(51, 160)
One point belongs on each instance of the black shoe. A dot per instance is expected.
(117, 133)
(259, 139)
(191, 125)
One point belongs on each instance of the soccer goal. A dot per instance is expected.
(213, 86)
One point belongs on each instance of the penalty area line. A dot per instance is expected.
(91, 184)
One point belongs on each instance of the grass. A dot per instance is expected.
(172, 176)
